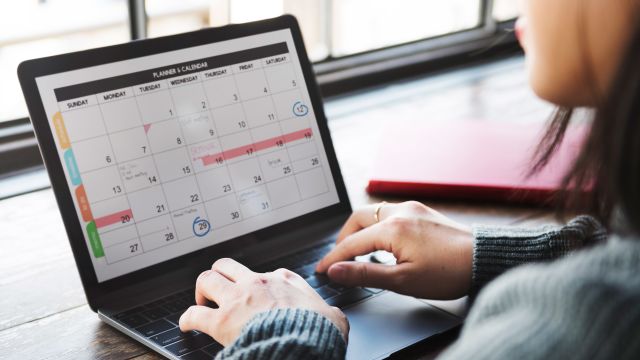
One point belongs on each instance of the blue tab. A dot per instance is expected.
(72, 167)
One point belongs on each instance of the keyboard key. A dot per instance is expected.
(176, 296)
(297, 260)
(339, 288)
(305, 271)
(174, 317)
(189, 344)
(134, 320)
(349, 297)
(155, 314)
(197, 355)
(175, 306)
(320, 252)
(317, 280)
(170, 336)
(155, 327)
(213, 349)
(156, 303)
(188, 296)
(289, 263)
(188, 300)
(326, 292)
(128, 313)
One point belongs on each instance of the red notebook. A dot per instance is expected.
(472, 160)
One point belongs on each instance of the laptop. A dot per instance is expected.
(169, 153)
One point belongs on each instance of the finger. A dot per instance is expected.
(200, 318)
(353, 273)
(231, 269)
(211, 285)
(363, 218)
(356, 222)
(363, 242)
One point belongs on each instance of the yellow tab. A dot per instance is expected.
(61, 131)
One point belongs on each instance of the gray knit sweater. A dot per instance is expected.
(585, 305)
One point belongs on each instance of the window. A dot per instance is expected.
(172, 17)
(333, 29)
(363, 25)
(504, 10)
(36, 28)
(352, 39)
(353, 43)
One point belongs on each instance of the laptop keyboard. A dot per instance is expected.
(158, 320)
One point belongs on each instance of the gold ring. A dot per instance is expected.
(376, 214)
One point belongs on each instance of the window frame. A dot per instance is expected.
(19, 152)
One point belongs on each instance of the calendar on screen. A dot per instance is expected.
(170, 153)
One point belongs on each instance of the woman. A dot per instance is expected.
(581, 299)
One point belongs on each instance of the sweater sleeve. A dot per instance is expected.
(497, 249)
(287, 334)
(583, 306)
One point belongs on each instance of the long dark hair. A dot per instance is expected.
(608, 167)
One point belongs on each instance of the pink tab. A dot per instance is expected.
(258, 146)
(123, 216)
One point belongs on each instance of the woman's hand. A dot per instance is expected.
(434, 254)
(241, 294)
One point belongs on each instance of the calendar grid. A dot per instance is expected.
(214, 198)
(126, 196)
(190, 161)
(172, 138)
(263, 152)
(121, 241)
(233, 185)
(240, 97)
(227, 225)
(133, 127)
(280, 126)
(155, 167)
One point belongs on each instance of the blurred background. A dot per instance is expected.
(339, 34)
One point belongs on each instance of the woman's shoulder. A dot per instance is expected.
(589, 294)
(582, 306)
(614, 265)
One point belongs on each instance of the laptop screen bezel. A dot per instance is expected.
(29, 70)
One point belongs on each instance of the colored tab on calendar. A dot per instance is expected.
(94, 240)
(72, 167)
(258, 146)
(123, 217)
(61, 131)
(297, 135)
(83, 203)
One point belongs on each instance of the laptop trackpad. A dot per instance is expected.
(391, 322)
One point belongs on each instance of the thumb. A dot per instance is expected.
(354, 273)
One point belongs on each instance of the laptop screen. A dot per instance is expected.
(170, 153)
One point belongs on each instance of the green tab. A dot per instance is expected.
(94, 240)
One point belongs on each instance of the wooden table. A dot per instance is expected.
(43, 310)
